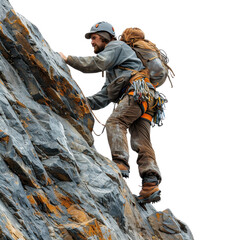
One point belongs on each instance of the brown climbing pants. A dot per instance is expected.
(127, 115)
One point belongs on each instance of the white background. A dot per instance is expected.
(197, 147)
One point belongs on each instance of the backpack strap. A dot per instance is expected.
(136, 75)
(129, 69)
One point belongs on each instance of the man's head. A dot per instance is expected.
(101, 34)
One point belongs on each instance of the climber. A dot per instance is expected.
(118, 60)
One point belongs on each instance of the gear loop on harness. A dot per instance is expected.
(139, 87)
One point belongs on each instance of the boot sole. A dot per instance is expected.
(155, 197)
(125, 173)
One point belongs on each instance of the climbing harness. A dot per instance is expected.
(140, 90)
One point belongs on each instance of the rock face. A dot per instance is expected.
(53, 183)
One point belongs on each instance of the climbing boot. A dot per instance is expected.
(124, 170)
(150, 192)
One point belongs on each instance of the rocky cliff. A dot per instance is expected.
(53, 183)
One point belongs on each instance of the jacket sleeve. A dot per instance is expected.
(100, 99)
(105, 60)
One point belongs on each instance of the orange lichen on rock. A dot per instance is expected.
(42, 199)
(77, 214)
(25, 125)
(74, 210)
(24, 42)
(37, 62)
(64, 86)
(49, 181)
(54, 95)
(44, 101)
(4, 137)
(63, 200)
(65, 89)
(90, 226)
(158, 216)
(21, 104)
(31, 200)
(1, 28)
(86, 230)
(93, 229)
(16, 23)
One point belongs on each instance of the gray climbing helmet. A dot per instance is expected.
(101, 27)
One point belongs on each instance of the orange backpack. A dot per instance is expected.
(153, 59)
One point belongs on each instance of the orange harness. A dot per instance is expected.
(143, 106)
(136, 75)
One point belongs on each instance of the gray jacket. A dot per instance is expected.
(116, 53)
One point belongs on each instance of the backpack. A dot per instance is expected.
(153, 59)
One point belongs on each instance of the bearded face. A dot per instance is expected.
(97, 43)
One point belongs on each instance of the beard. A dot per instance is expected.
(98, 49)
